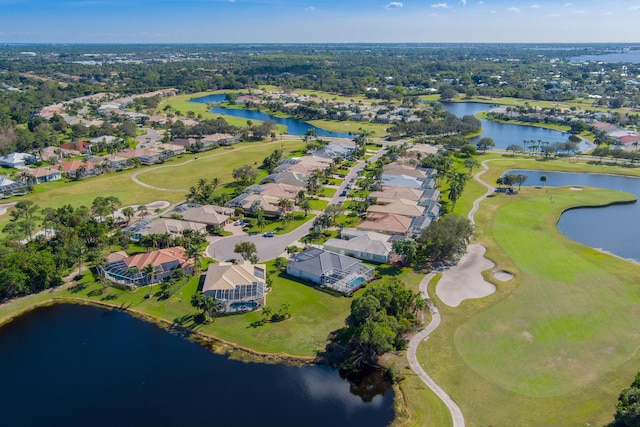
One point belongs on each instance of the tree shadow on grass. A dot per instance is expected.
(388, 270)
(109, 297)
(189, 321)
(78, 287)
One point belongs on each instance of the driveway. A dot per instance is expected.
(268, 247)
(150, 139)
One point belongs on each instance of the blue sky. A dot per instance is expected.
(321, 21)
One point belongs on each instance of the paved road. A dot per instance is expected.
(273, 247)
(454, 409)
(150, 139)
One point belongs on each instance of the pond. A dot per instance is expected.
(81, 365)
(615, 229)
(505, 134)
(294, 126)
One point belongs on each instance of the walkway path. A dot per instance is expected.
(454, 409)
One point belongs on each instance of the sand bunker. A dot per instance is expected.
(464, 280)
(502, 275)
(575, 188)
(5, 206)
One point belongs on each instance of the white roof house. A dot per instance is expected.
(17, 160)
(239, 287)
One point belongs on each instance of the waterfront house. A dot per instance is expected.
(237, 287)
(331, 270)
(129, 270)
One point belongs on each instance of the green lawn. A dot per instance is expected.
(276, 225)
(553, 346)
(318, 205)
(378, 129)
(314, 313)
(218, 163)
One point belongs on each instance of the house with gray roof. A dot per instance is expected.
(17, 160)
(10, 188)
(212, 216)
(365, 245)
(335, 149)
(329, 269)
(401, 181)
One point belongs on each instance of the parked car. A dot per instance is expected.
(232, 260)
(269, 234)
(239, 222)
(344, 193)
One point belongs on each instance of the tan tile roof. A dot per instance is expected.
(386, 223)
(400, 207)
(228, 276)
(391, 193)
(157, 258)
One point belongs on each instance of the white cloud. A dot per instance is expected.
(309, 9)
(440, 5)
(608, 13)
(462, 3)
(635, 7)
(568, 4)
(513, 9)
(480, 2)
(434, 15)
(578, 12)
(493, 11)
(394, 5)
(535, 6)
(554, 15)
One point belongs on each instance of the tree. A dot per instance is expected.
(260, 220)
(514, 148)
(206, 304)
(285, 204)
(305, 205)
(128, 213)
(407, 249)
(468, 150)
(543, 179)
(628, 406)
(520, 179)
(286, 218)
(448, 94)
(457, 181)
(334, 211)
(24, 215)
(148, 271)
(245, 175)
(445, 238)
(246, 249)
(471, 164)
(142, 210)
(485, 143)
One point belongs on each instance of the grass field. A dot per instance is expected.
(555, 345)
(218, 163)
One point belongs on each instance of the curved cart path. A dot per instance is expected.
(454, 409)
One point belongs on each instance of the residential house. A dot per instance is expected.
(389, 194)
(432, 210)
(146, 156)
(419, 223)
(170, 150)
(250, 202)
(238, 287)
(329, 269)
(129, 270)
(212, 216)
(401, 181)
(429, 195)
(422, 150)
(281, 191)
(71, 168)
(397, 169)
(77, 148)
(399, 207)
(336, 149)
(10, 188)
(290, 178)
(17, 160)
(365, 245)
(386, 223)
(173, 227)
(40, 175)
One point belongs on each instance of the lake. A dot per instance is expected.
(294, 126)
(630, 56)
(68, 365)
(615, 229)
(505, 134)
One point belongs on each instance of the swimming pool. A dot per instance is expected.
(355, 282)
(249, 305)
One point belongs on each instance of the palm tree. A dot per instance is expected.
(305, 205)
(260, 220)
(128, 213)
(286, 218)
(148, 272)
(285, 204)
(142, 210)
